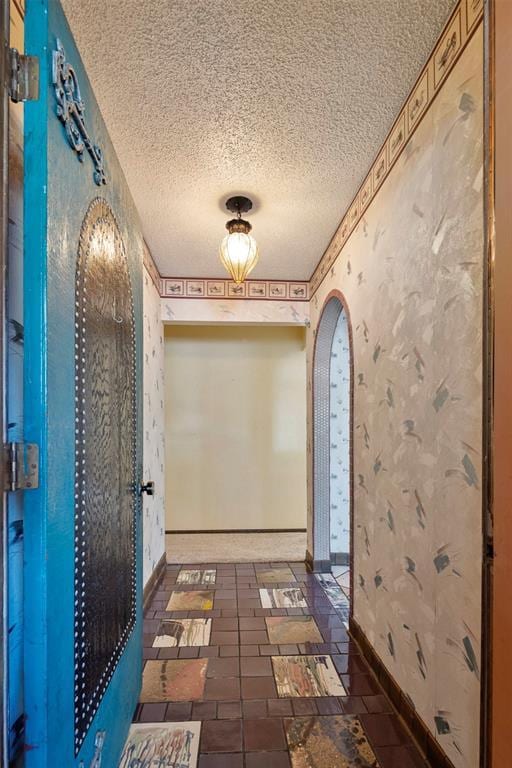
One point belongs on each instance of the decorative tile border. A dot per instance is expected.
(194, 288)
(454, 38)
(151, 268)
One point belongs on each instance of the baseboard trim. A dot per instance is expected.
(153, 582)
(317, 566)
(245, 530)
(402, 704)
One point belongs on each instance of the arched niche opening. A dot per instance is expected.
(332, 437)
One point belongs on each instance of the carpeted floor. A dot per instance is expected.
(235, 547)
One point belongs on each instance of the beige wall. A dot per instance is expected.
(235, 423)
(412, 276)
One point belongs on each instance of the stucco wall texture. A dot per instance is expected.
(412, 276)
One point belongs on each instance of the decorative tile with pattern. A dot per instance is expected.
(162, 745)
(291, 597)
(190, 576)
(190, 601)
(183, 633)
(318, 742)
(306, 676)
(275, 576)
(293, 629)
(173, 680)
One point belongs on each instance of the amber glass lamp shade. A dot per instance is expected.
(239, 250)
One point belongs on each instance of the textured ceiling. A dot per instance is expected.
(286, 101)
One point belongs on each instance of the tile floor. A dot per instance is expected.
(275, 687)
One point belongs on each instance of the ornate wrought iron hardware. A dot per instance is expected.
(148, 488)
(71, 112)
(22, 466)
(24, 76)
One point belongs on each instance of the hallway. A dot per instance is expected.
(265, 682)
(256, 409)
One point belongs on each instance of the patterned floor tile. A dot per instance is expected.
(168, 745)
(275, 575)
(190, 601)
(189, 576)
(293, 629)
(335, 595)
(306, 676)
(257, 613)
(174, 680)
(183, 633)
(291, 597)
(338, 740)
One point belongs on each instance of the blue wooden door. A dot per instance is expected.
(83, 320)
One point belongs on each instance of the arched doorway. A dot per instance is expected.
(332, 436)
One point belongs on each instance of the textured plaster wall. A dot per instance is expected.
(153, 533)
(412, 276)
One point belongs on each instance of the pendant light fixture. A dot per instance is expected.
(239, 250)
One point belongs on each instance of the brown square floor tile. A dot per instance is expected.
(206, 652)
(256, 666)
(304, 707)
(360, 685)
(254, 622)
(204, 710)
(229, 650)
(263, 734)
(377, 704)
(152, 713)
(328, 705)
(227, 667)
(352, 705)
(267, 760)
(178, 711)
(221, 761)
(229, 710)
(225, 625)
(258, 688)
(281, 707)
(269, 650)
(254, 708)
(253, 637)
(225, 604)
(224, 638)
(383, 730)
(221, 736)
(249, 650)
(223, 689)
(399, 757)
(168, 653)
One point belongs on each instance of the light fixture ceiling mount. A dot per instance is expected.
(239, 250)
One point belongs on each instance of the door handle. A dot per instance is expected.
(148, 488)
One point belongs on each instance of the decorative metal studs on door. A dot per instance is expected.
(105, 460)
(71, 112)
